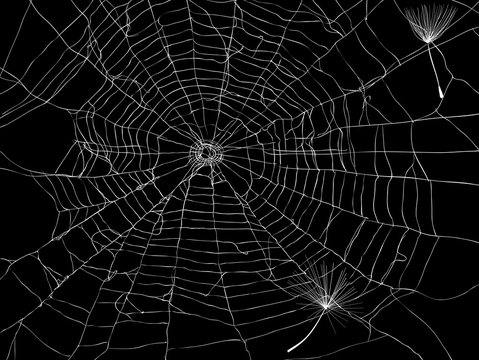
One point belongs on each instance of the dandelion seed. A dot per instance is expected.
(328, 295)
(428, 23)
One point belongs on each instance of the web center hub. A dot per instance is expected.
(206, 153)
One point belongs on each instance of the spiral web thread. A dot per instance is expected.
(219, 148)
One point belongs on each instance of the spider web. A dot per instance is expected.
(216, 151)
